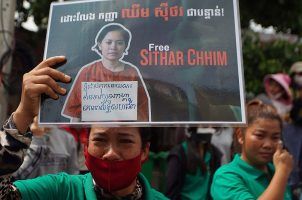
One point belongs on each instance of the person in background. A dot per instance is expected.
(278, 93)
(191, 165)
(292, 131)
(251, 174)
(52, 150)
(80, 134)
(113, 155)
(296, 75)
(222, 139)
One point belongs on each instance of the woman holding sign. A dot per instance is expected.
(113, 155)
(111, 43)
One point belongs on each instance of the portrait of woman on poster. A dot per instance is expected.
(111, 44)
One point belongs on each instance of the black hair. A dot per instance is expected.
(145, 133)
(110, 28)
(257, 109)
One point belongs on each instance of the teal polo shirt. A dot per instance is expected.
(196, 186)
(239, 180)
(63, 186)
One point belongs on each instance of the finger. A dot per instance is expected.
(35, 121)
(279, 147)
(47, 80)
(36, 129)
(38, 89)
(33, 126)
(52, 62)
(54, 74)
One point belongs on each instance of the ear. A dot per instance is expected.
(145, 152)
(239, 135)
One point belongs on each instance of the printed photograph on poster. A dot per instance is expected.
(102, 100)
(146, 62)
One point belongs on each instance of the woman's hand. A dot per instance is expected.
(283, 161)
(36, 130)
(41, 80)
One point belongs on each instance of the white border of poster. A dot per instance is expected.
(176, 60)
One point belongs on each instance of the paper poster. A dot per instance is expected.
(183, 58)
(109, 101)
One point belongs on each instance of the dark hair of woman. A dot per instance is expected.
(111, 28)
(257, 109)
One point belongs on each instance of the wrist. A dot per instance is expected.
(283, 171)
(22, 120)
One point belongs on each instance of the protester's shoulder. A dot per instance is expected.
(176, 152)
(229, 168)
(149, 192)
(226, 177)
(77, 180)
(48, 184)
(291, 128)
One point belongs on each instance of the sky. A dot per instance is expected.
(30, 24)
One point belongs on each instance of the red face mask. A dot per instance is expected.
(113, 175)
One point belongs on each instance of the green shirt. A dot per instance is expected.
(239, 180)
(196, 186)
(74, 187)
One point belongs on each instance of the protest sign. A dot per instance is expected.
(182, 59)
(109, 101)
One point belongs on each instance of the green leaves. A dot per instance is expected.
(283, 15)
(262, 58)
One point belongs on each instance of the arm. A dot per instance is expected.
(283, 162)
(13, 138)
(229, 184)
(33, 155)
(12, 150)
(174, 180)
